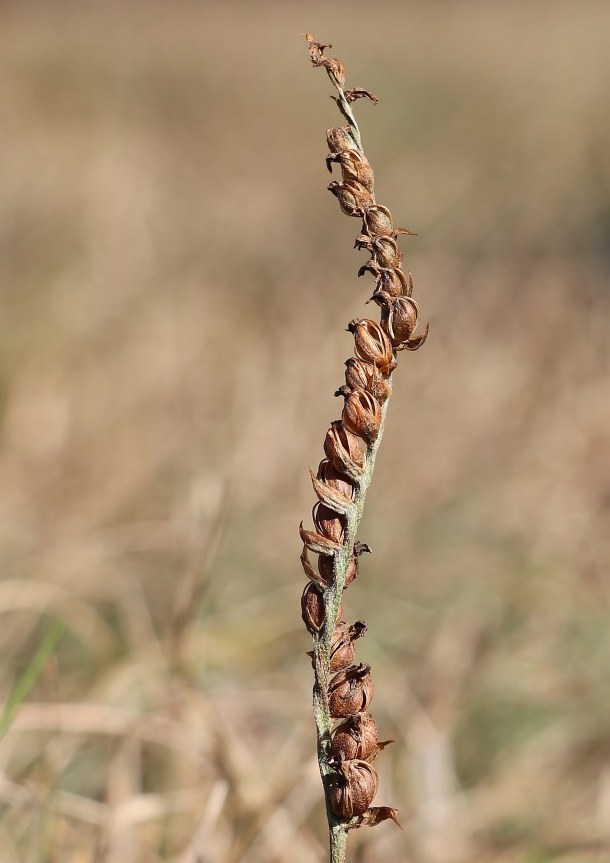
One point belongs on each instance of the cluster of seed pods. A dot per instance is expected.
(354, 742)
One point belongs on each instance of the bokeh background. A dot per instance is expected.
(176, 282)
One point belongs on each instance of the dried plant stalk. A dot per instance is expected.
(343, 689)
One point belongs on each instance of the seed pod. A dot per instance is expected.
(345, 450)
(353, 198)
(355, 167)
(357, 737)
(342, 651)
(352, 788)
(366, 376)
(339, 140)
(312, 608)
(378, 221)
(335, 478)
(362, 414)
(372, 345)
(328, 522)
(350, 691)
(384, 249)
(399, 317)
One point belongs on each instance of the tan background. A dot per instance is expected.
(176, 283)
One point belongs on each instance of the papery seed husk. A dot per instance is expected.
(339, 139)
(357, 737)
(329, 474)
(345, 450)
(355, 167)
(387, 253)
(372, 344)
(378, 221)
(311, 573)
(362, 414)
(366, 375)
(329, 522)
(393, 281)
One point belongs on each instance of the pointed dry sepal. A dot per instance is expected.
(317, 543)
(331, 496)
(313, 574)
(376, 815)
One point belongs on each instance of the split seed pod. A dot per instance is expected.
(350, 691)
(366, 376)
(353, 198)
(399, 317)
(357, 737)
(339, 140)
(362, 414)
(345, 450)
(355, 167)
(328, 522)
(352, 788)
(342, 651)
(372, 345)
(336, 479)
(389, 279)
(384, 249)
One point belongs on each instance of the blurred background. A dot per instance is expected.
(176, 282)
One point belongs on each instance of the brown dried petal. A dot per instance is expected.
(312, 608)
(350, 691)
(360, 93)
(362, 414)
(317, 543)
(329, 523)
(353, 788)
(372, 344)
(311, 573)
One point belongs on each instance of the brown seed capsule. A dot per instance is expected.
(352, 788)
(342, 651)
(329, 474)
(384, 249)
(378, 221)
(372, 345)
(399, 317)
(366, 376)
(353, 198)
(345, 450)
(355, 167)
(362, 414)
(357, 737)
(312, 608)
(350, 691)
(328, 522)
(339, 140)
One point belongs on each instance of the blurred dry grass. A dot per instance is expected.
(175, 283)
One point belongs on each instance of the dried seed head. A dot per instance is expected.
(357, 737)
(378, 221)
(350, 691)
(353, 198)
(339, 140)
(345, 450)
(386, 252)
(355, 167)
(361, 375)
(312, 608)
(372, 345)
(399, 317)
(362, 414)
(329, 474)
(328, 522)
(342, 651)
(352, 788)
